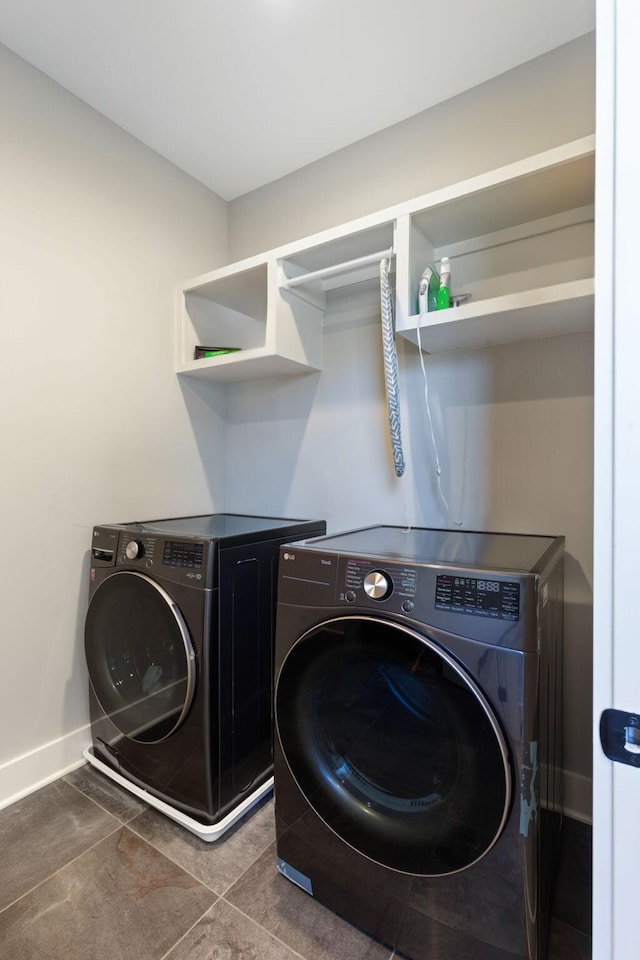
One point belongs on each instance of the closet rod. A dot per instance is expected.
(337, 268)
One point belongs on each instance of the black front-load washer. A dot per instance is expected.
(417, 748)
(179, 648)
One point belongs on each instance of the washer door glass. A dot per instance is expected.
(140, 657)
(393, 745)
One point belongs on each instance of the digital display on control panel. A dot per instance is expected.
(480, 598)
(177, 553)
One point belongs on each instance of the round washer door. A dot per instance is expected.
(393, 745)
(140, 657)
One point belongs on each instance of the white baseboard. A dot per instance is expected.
(577, 796)
(37, 768)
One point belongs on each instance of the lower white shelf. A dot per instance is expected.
(245, 365)
(527, 315)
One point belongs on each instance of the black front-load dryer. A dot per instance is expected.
(417, 710)
(179, 648)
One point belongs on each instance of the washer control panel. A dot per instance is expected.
(180, 553)
(177, 559)
(182, 560)
(137, 547)
(134, 550)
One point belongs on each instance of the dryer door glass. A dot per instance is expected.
(139, 656)
(393, 745)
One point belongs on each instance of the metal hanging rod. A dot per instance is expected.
(337, 268)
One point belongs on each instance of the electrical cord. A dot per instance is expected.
(455, 523)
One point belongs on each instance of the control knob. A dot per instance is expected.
(134, 550)
(377, 585)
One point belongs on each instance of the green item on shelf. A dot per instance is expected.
(204, 353)
(444, 300)
(443, 297)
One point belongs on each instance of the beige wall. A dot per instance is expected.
(513, 424)
(95, 231)
(542, 103)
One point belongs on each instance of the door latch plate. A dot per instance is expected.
(620, 736)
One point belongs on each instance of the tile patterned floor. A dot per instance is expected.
(88, 872)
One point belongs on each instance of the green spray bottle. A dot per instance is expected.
(444, 294)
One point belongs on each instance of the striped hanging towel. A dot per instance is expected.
(391, 368)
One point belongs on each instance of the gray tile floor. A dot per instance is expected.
(88, 872)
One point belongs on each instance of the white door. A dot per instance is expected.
(617, 473)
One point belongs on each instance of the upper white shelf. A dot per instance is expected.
(526, 315)
(520, 241)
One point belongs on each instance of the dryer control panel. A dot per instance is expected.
(380, 584)
(478, 597)
(495, 606)
(491, 608)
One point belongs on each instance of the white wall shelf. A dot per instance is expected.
(520, 240)
(526, 315)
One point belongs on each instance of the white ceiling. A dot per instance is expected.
(240, 92)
